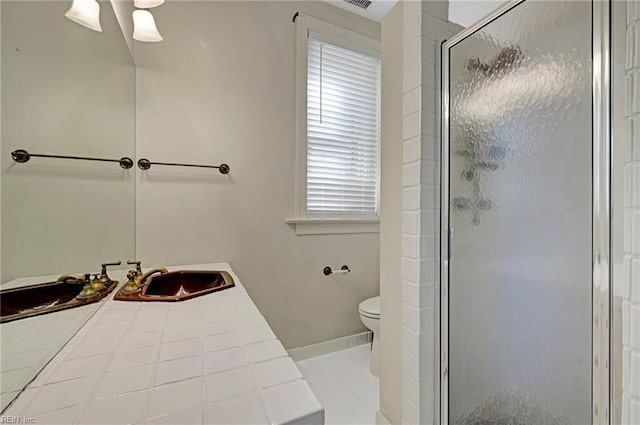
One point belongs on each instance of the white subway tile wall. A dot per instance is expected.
(425, 27)
(631, 304)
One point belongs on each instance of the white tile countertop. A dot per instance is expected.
(30, 343)
(212, 359)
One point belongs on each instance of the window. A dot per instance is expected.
(338, 129)
(342, 132)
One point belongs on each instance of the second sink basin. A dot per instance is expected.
(180, 285)
(27, 301)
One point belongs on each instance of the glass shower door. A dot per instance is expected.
(518, 286)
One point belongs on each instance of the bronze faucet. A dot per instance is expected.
(87, 290)
(103, 281)
(74, 277)
(104, 278)
(141, 278)
(135, 278)
(91, 287)
(130, 287)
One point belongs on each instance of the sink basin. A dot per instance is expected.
(180, 285)
(27, 301)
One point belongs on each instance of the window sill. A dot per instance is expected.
(332, 226)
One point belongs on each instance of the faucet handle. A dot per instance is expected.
(104, 278)
(137, 264)
(105, 265)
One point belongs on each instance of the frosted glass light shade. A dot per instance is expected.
(85, 13)
(147, 4)
(144, 27)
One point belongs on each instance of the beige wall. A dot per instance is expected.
(221, 88)
(65, 90)
(123, 10)
(391, 218)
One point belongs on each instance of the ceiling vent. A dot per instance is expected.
(363, 4)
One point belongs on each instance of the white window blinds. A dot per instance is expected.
(343, 128)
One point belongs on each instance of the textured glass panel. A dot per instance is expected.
(520, 187)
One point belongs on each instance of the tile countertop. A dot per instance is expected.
(30, 343)
(212, 359)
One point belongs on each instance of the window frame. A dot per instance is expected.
(348, 39)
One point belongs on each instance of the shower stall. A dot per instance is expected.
(525, 246)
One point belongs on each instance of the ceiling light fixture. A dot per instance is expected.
(147, 4)
(144, 27)
(85, 13)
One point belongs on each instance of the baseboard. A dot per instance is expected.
(326, 347)
(381, 419)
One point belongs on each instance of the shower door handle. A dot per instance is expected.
(450, 244)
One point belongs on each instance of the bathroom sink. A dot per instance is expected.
(27, 301)
(180, 285)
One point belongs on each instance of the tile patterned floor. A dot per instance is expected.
(343, 384)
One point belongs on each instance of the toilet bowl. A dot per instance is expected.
(370, 316)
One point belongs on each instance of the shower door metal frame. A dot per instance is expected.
(601, 210)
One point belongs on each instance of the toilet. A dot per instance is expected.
(370, 316)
